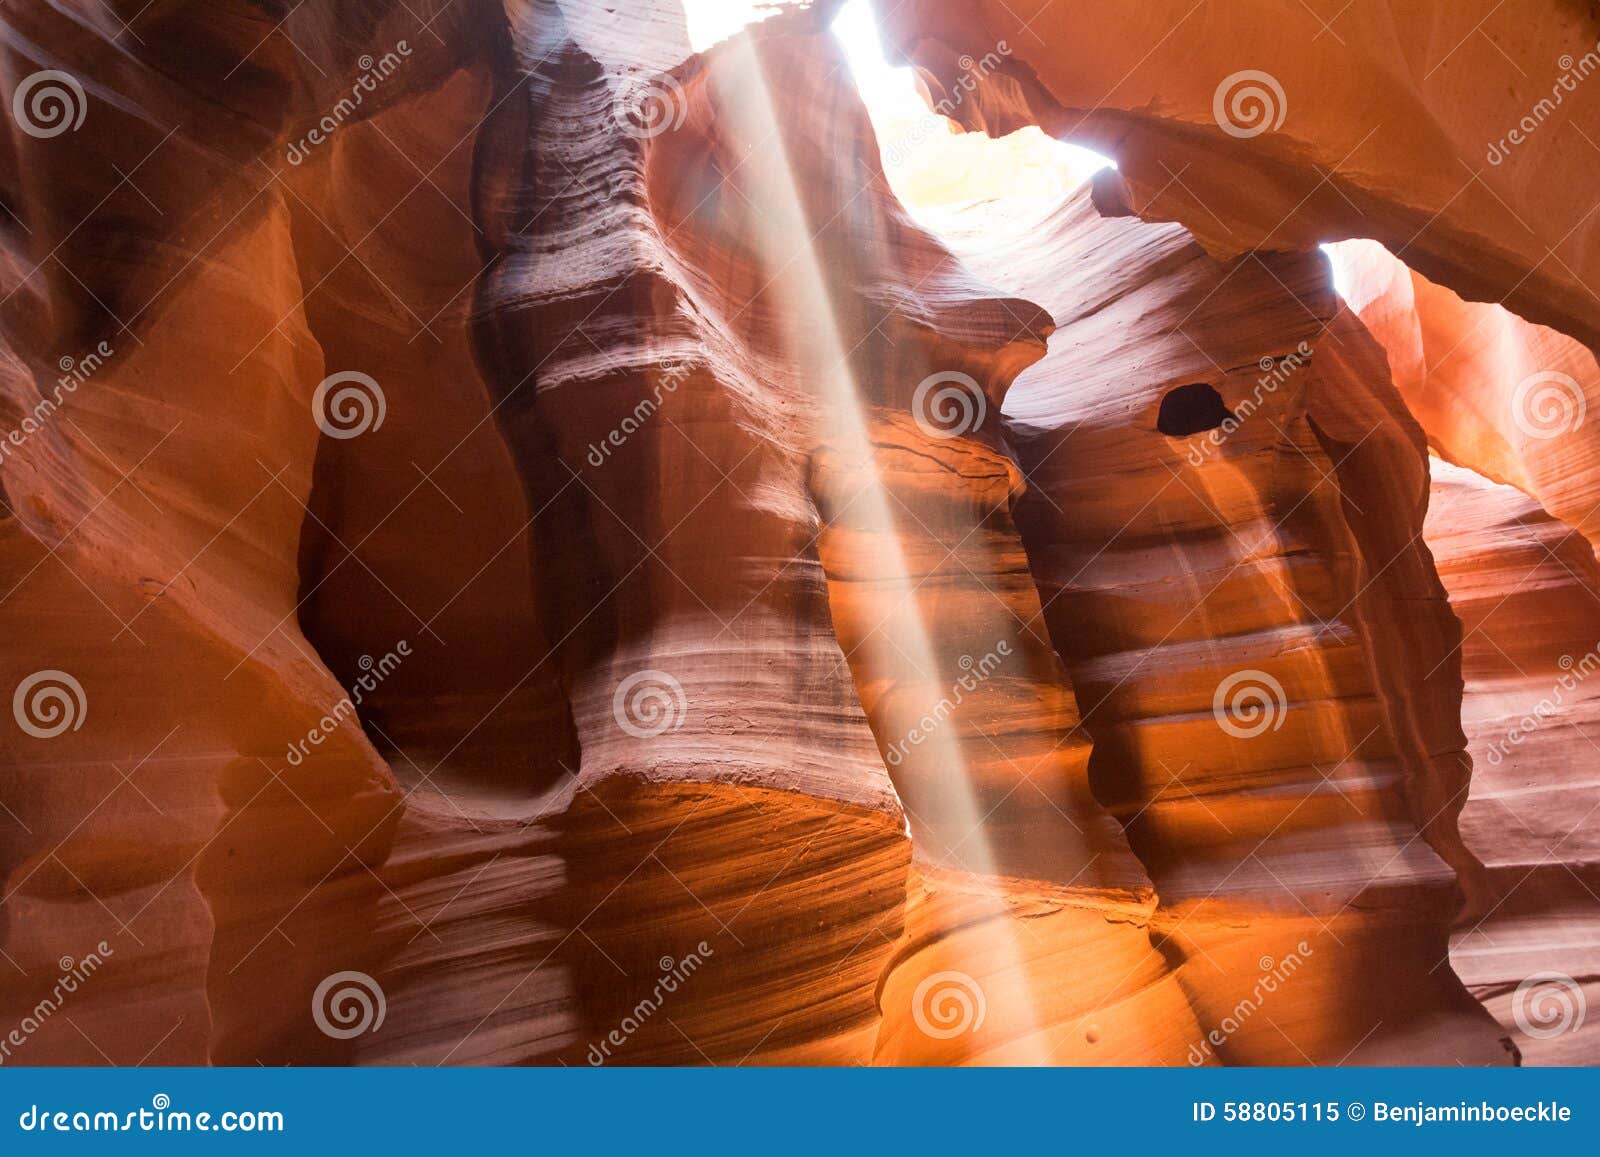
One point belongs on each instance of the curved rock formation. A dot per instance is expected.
(519, 549)
(1507, 401)
(1527, 590)
(1226, 593)
(1461, 135)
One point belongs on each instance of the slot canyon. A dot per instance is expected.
(900, 532)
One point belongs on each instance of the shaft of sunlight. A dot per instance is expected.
(786, 243)
(930, 164)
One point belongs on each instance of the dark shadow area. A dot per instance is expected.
(1191, 409)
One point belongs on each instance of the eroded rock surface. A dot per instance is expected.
(519, 549)
(1228, 601)
(1462, 135)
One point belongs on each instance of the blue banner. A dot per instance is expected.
(813, 1111)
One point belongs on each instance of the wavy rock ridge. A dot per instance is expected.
(542, 559)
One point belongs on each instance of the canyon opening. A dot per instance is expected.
(900, 532)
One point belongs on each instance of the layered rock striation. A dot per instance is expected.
(519, 549)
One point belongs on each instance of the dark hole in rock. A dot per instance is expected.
(1190, 409)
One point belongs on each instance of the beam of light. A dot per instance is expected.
(902, 650)
(930, 165)
(1339, 265)
(713, 21)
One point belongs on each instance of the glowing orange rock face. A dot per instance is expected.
(1462, 135)
(1228, 602)
(1511, 524)
(1496, 394)
(541, 559)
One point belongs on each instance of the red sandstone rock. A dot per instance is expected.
(1507, 400)
(1260, 125)
(1527, 590)
(1227, 603)
(681, 659)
